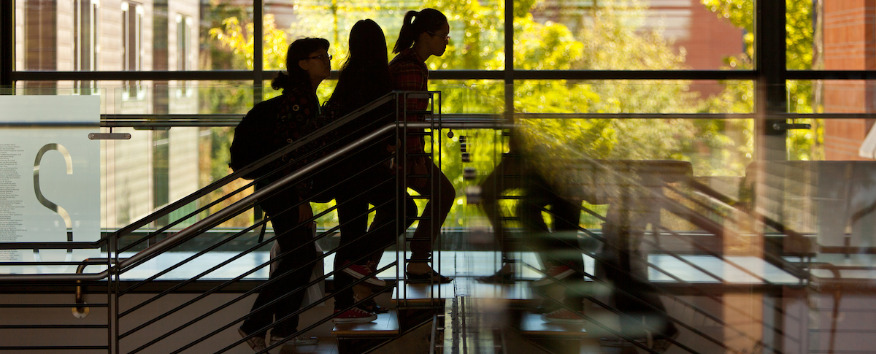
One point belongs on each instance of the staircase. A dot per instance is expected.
(187, 291)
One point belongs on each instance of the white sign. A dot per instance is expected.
(49, 175)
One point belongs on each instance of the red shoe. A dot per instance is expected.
(354, 315)
(359, 271)
(553, 274)
(563, 316)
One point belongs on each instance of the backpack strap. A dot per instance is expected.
(258, 211)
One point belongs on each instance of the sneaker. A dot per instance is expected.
(354, 315)
(428, 276)
(257, 343)
(359, 271)
(300, 340)
(553, 274)
(373, 307)
(563, 316)
(434, 277)
(501, 276)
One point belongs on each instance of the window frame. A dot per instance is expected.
(770, 75)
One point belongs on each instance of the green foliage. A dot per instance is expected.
(799, 40)
(611, 40)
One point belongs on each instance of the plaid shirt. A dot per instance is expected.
(409, 73)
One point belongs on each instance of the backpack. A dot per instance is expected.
(269, 126)
(249, 143)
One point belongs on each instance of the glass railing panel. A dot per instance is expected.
(51, 184)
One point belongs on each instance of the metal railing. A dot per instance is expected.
(117, 266)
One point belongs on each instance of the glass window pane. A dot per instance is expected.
(92, 35)
(632, 35)
(715, 147)
(470, 96)
(633, 96)
(156, 167)
(830, 35)
(476, 30)
(225, 36)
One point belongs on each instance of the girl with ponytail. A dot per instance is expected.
(423, 34)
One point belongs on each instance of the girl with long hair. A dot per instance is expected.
(364, 78)
(423, 34)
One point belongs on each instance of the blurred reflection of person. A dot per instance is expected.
(621, 262)
(557, 246)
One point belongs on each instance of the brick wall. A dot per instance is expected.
(849, 28)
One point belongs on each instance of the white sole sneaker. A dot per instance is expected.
(370, 280)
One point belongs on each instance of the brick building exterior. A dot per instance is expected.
(849, 44)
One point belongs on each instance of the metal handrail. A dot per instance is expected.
(237, 207)
(255, 165)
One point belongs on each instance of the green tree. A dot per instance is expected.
(800, 41)
(610, 41)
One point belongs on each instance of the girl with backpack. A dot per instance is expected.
(290, 116)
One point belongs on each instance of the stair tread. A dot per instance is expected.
(422, 292)
(534, 324)
(519, 291)
(385, 324)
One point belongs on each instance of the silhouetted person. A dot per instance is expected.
(363, 79)
(307, 64)
(423, 34)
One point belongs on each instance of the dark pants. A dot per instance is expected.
(292, 271)
(441, 195)
(377, 187)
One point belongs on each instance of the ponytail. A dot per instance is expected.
(415, 23)
(282, 81)
(294, 74)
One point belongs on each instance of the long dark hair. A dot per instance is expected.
(364, 77)
(426, 20)
(295, 75)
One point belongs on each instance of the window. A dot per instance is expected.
(85, 43)
(183, 51)
(132, 29)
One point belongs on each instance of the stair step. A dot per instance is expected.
(386, 325)
(533, 324)
(517, 294)
(422, 293)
